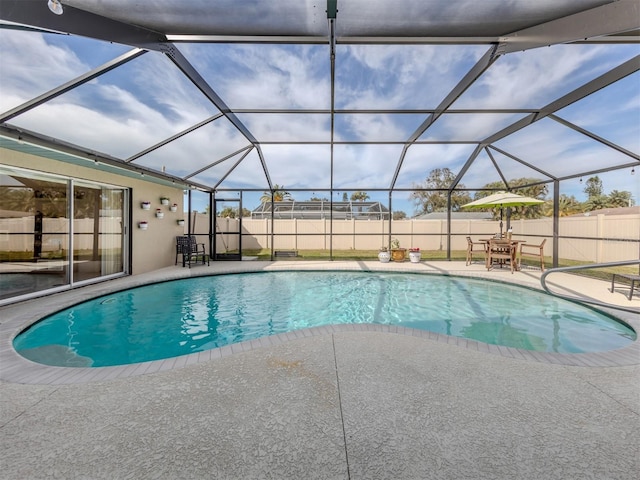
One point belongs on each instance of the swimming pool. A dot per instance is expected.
(196, 314)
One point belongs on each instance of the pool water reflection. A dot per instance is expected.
(191, 315)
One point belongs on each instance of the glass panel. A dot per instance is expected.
(559, 150)
(227, 226)
(98, 232)
(512, 169)
(468, 127)
(199, 220)
(196, 150)
(612, 113)
(619, 188)
(34, 235)
(34, 232)
(141, 103)
(288, 127)
(596, 223)
(366, 166)
(376, 127)
(248, 173)
(298, 166)
(399, 76)
(34, 63)
(535, 78)
(438, 18)
(265, 76)
(420, 160)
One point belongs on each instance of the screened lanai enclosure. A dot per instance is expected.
(417, 106)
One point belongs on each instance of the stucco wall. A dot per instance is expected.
(152, 248)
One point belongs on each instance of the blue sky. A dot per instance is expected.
(148, 100)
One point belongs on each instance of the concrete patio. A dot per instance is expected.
(327, 403)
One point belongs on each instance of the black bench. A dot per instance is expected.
(632, 278)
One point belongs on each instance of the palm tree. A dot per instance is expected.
(567, 205)
(619, 198)
(279, 194)
(597, 202)
(359, 196)
(19, 199)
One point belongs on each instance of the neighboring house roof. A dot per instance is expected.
(611, 211)
(456, 216)
(314, 209)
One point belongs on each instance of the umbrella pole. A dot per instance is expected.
(500, 222)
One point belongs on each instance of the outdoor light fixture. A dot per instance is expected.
(55, 6)
(633, 170)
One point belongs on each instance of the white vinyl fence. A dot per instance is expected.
(597, 239)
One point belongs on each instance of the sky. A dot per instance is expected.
(147, 100)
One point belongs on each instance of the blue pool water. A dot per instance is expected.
(191, 315)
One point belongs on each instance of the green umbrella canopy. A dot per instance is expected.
(502, 199)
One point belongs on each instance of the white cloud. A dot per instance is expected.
(400, 76)
(265, 76)
(530, 79)
(31, 67)
(148, 100)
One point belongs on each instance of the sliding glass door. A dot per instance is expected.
(43, 218)
(98, 231)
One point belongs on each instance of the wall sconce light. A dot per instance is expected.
(55, 6)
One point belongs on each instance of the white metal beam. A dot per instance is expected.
(617, 17)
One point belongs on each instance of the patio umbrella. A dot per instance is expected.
(502, 199)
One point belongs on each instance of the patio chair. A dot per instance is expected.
(532, 251)
(501, 251)
(190, 251)
(471, 251)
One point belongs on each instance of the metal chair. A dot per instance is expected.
(471, 251)
(532, 251)
(190, 250)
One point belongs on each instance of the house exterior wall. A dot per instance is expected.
(152, 248)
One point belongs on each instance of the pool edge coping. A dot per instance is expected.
(17, 369)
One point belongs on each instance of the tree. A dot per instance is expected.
(18, 199)
(593, 187)
(318, 199)
(359, 196)
(431, 196)
(567, 205)
(231, 212)
(595, 202)
(279, 195)
(399, 215)
(345, 197)
(619, 198)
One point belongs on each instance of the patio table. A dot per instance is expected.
(512, 242)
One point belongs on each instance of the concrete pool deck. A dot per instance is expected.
(343, 403)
